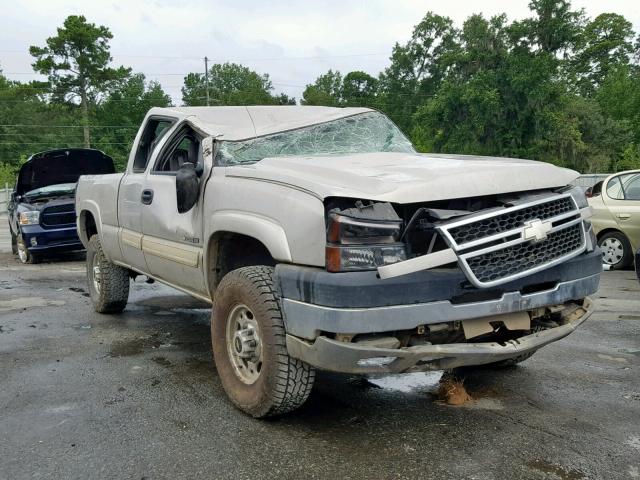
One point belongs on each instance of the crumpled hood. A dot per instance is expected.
(406, 177)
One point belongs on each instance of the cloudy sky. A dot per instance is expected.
(292, 41)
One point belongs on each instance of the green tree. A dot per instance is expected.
(123, 111)
(359, 89)
(76, 62)
(605, 45)
(29, 124)
(326, 90)
(229, 84)
(556, 28)
(417, 68)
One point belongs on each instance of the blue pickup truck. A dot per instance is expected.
(42, 217)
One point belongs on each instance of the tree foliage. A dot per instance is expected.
(76, 62)
(558, 87)
(230, 84)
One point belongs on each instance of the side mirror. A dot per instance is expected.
(187, 187)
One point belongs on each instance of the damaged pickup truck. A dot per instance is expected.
(325, 241)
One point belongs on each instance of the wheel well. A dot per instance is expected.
(88, 224)
(601, 233)
(229, 251)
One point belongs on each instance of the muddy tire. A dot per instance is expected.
(24, 255)
(249, 346)
(108, 283)
(616, 250)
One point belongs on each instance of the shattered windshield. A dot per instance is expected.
(362, 133)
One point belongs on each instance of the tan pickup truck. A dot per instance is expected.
(323, 240)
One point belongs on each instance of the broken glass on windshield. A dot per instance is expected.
(362, 133)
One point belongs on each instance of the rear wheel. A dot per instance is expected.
(108, 282)
(616, 250)
(249, 346)
(24, 255)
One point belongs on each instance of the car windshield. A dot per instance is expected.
(362, 133)
(59, 189)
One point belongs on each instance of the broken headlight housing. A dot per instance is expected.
(362, 244)
(579, 197)
(29, 218)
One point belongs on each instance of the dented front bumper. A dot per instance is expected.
(346, 357)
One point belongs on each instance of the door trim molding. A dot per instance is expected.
(131, 238)
(177, 252)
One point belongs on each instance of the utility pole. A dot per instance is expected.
(206, 77)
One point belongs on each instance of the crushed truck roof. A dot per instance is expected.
(240, 123)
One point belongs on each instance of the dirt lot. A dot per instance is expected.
(137, 396)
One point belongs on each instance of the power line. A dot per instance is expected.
(234, 60)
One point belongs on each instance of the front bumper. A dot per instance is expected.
(328, 354)
(318, 306)
(48, 240)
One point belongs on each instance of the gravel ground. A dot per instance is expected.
(136, 395)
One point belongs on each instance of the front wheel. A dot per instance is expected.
(616, 250)
(108, 282)
(24, 255)
(249, 346)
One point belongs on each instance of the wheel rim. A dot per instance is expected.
(612, 251)
(244, 344)
(96, 274)
(23, 254)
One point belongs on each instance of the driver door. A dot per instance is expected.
(172, 242)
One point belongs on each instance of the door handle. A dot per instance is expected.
(623, 216)
(147, 196)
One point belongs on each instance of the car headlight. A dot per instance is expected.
(357, 244)
(29, 218)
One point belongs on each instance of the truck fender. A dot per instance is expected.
(264, 229)
(82, 208)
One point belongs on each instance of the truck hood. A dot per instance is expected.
(406, 177)
(55, 167)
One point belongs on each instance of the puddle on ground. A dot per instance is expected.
(171, 302)
(161, 361)
(408, 382)
(611, 358)
(556, 470)
(28, 302)
(136, 346)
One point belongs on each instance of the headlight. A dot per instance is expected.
(29, 218)
(357, 244)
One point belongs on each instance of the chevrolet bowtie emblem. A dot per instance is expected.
(536, 230)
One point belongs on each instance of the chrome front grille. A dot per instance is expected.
(510, 220)
(499, 246)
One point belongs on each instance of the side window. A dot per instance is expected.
(183, 148)
(153, 132)
(631, 186)
(614, 189)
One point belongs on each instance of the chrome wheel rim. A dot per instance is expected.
(612, 251)
(244, 344)
(96, 274)
(23, 255)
